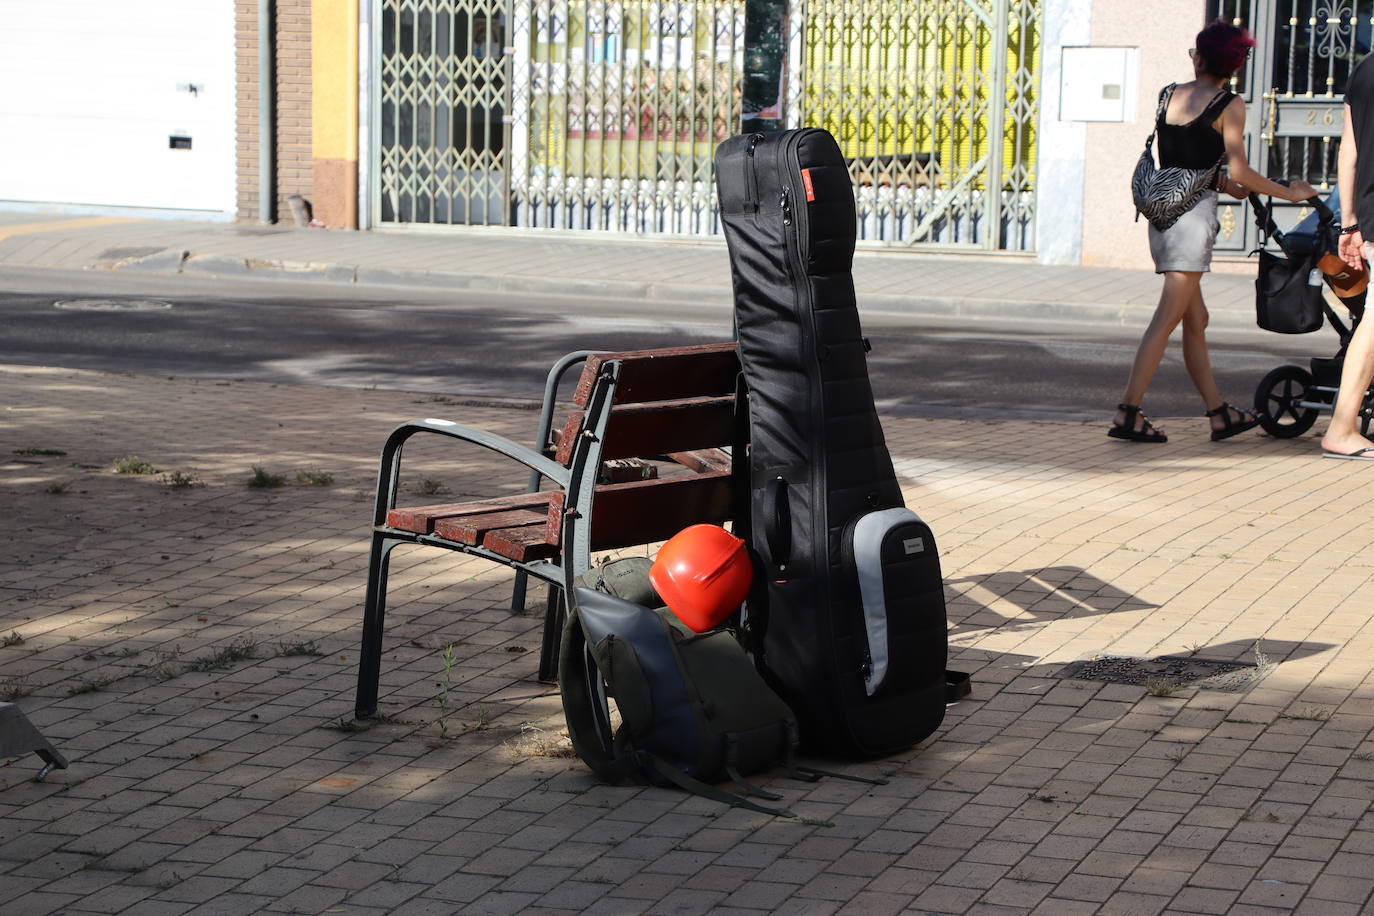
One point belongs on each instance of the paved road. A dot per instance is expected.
(485, 345)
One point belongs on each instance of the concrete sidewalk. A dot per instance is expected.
(192, 650)
(1003, 288)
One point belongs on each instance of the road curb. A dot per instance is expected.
(963, 307)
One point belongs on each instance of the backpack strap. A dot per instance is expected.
(584, 708)
(812, 774)
(688, 783)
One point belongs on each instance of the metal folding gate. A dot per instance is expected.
(604, 114)
(935, 104)
(1294, 90)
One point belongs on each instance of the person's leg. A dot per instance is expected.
(1196, 357)
(1174, 299)
(1342, 434)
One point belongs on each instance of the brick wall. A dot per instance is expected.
(292, 105)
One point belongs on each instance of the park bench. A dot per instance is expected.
(641, 456)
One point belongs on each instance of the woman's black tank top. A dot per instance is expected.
(1197, 144)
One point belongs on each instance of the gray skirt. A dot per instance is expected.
(1187, 244)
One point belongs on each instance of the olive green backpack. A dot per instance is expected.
(694, 710)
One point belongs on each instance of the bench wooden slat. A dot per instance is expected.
(470, 529)
(667, 374)
(656, 428)
(642, 512)
(421, 519)
(523, 544)
(703, 460)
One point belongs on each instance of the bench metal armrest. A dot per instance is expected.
(389, 473)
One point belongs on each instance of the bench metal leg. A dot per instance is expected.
(555, 614)
(374, 615)
(18, 736)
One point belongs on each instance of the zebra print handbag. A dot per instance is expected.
(1163, 195)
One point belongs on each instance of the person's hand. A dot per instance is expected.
(1352, 249)
(1299, 190)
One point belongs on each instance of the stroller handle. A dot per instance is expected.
(1264, 218)
(1315, 201)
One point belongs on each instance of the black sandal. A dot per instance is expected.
(1127, 430)
(1249, 420)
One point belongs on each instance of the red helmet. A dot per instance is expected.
(702, 573)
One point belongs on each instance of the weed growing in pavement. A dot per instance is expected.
(236, 651)
(450, 658)
(1362, 755)
(58, 487)
(90, 686)
(483, 721)
(1042, 797)
(315, 478)
(182, 481)
(1161, 686)
(1178, 753)
(1263, 665)
(132, 464)
(13, 688)
(430, 487)
(263, 478)
(14, 639)
(298, 647)
(40, 452)
(348, 726)
(1268, 816)
(163, 667)
(1307, 714)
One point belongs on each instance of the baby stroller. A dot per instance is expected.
(1289, 300)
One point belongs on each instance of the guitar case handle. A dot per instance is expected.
(778, 522)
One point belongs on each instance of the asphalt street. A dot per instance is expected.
(492, 346)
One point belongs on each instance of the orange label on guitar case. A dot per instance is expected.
(806, 183)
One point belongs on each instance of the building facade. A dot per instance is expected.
(995, 127)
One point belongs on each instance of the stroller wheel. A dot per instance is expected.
(1277, 401)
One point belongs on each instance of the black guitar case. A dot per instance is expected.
(847, 619)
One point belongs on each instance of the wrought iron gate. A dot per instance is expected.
(605, 114)
(1294, 90)
(935, 104)
(618, 107)
(440, 133)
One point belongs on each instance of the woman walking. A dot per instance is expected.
(1200, 123)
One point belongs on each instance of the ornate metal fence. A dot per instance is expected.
(1294, 88)
(440, 135)
(604, 114)
(935, 103)
(618, 107)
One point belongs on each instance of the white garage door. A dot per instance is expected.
(125, 103)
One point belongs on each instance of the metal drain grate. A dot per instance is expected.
(1187, 670)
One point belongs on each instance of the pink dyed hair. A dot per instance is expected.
(1223, 47)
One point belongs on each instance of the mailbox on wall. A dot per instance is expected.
(1098, 84)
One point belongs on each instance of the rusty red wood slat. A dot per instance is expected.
(421, 519)
(627, 514)
(665, 374)
(703, 461)
(522, 544)
(470, 529)
(656, 428)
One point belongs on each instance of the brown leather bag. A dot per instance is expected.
(1343, 279)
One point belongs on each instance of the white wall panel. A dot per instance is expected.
(92, 91)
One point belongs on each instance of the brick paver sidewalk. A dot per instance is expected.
(192, 649)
